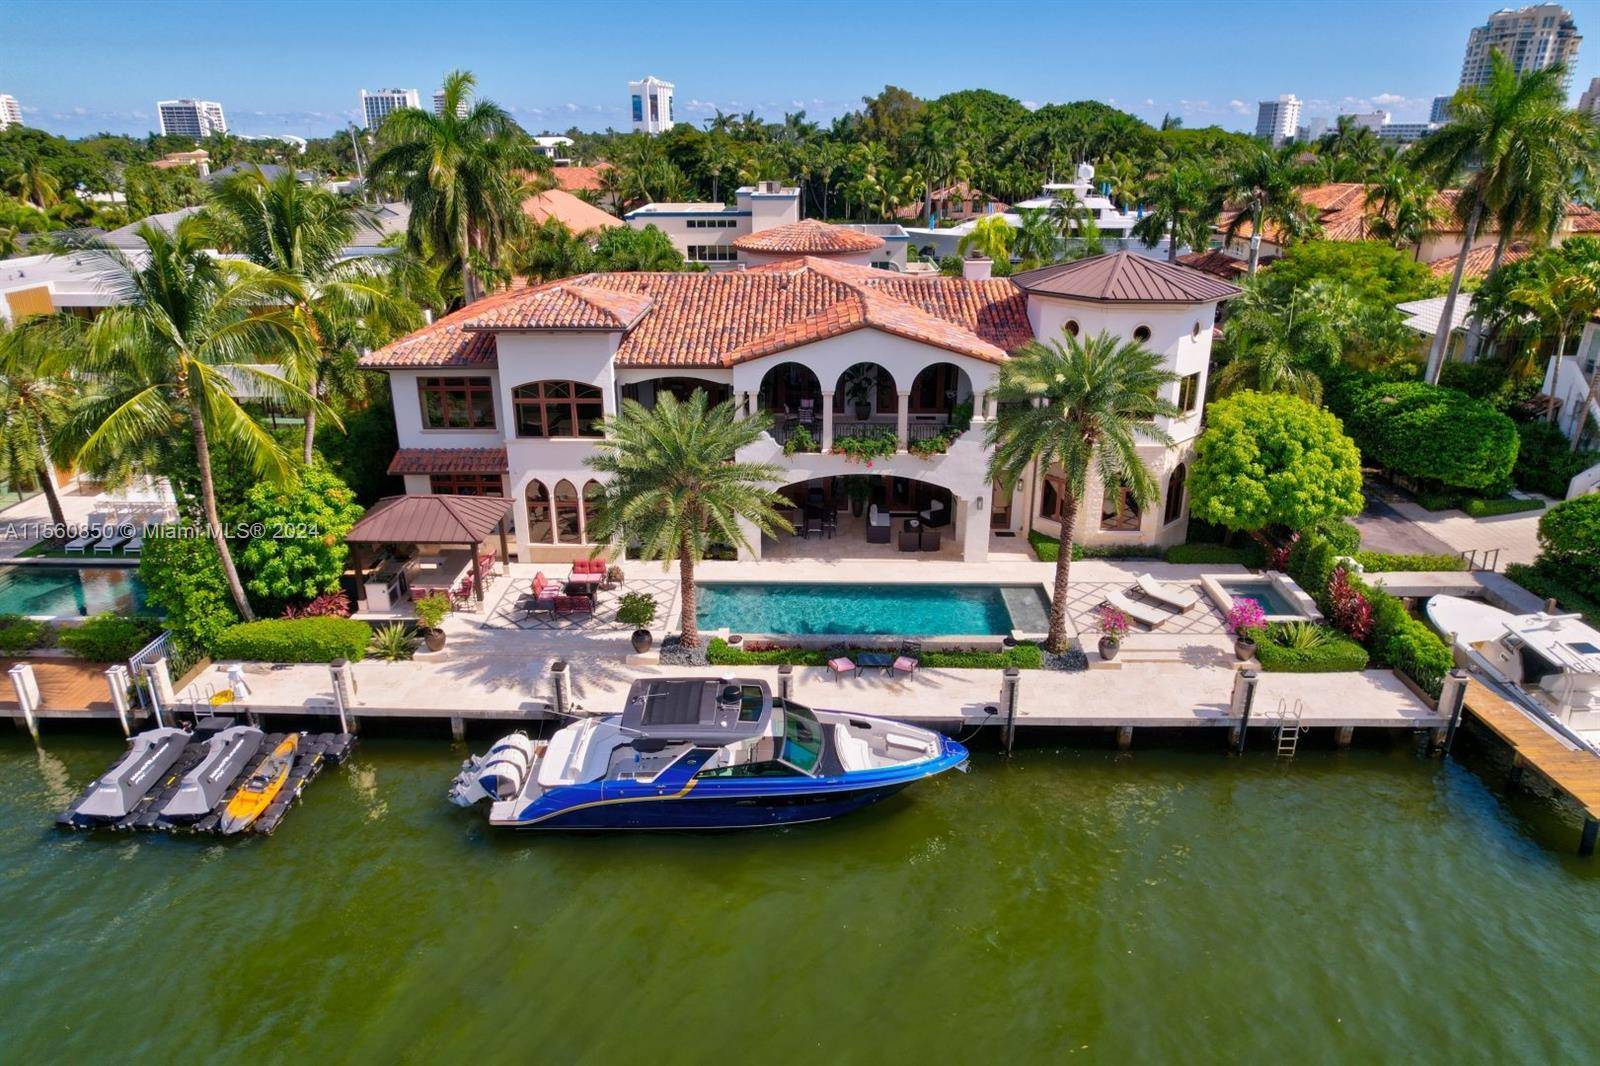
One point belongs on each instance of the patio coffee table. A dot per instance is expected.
(872, 660)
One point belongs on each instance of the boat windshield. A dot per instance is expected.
(802, 738)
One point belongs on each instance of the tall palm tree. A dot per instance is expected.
(1510, 135)
(1080, 404)
(36, 398)
(1276, 346)
(34, 182)
(1264, 183)
(674, 488)
(1405, 206)
(186, 333)
(1182, 204)
(1034, 242)
(1353, 150)
(550, 250)
(300, 232)
(990, 237)
(460, 170)
(933, 146)
(1563, 294)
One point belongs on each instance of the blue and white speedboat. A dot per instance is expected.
(701, 753)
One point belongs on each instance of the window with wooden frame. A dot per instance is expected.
(539, 524)
(1175, 485)
(465, 484)
(568, 527)
(1052, 497)
(1119, 513)
(557, 409)
(456, 403)
(1188, 393)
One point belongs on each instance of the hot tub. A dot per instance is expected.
(1280, 598)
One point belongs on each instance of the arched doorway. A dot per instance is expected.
(568, 519)
(592, 491)
(540, 526)
(1174, 503)
(791, 393)
(865, 392)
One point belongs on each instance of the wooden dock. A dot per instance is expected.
(1570, 769)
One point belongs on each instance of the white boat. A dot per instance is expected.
(1552, 659)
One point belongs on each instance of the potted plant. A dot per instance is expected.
(614, 577)
(430, 613)
(859, 490)
(1244, 618)
(1113, 626)
(860, 381)
(638, 609)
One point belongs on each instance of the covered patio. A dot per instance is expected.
(408, 547)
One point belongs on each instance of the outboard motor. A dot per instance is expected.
(497, 774)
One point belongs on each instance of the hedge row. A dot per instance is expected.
(1048, 549)
(1246, 554)
(294, 640)
(1481, 508)
(1022, 656)
(1337, 654)
(1546, 582)
(109, 638)
(1394, 563)
(19, 634)
(1546, 462)
(1426, 432)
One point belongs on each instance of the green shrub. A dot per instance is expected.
(1546, 462)
(19, 634)
(1344, 537)
(1304, 648)
(183, 579)
(294, 640)
(1248, 554)
(1547, 582)
(300, 551)
(1428, 433)
(360, 454)
(1439, 499)
(1405, 643)
(393, 642)
(636, 609)
(1048, 549)
(720, 653)
(1569, 543)
(1311, 563)
(1393, 563)
(108, 638)
(431, 610)
(1478, 507)
(1023, 656)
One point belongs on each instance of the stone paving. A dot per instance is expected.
(505, 615)
(1202, 619)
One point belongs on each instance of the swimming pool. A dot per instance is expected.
(1264, 593)
(878, 610)
(69, 591)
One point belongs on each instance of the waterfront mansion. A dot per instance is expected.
(507, 396)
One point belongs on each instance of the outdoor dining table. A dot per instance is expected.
(873, 660)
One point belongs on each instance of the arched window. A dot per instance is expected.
(538, 513)
(1142, 334)
(568, 530)
(1119, 512)
(592, 491)
(1175, 485)
(557, 409)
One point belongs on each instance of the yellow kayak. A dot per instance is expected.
(257, 794)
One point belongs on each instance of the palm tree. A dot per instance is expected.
(990, 237)
(1079, 403)
(1277, 347)
(1354, 150)
(36, 398)
(1182, 205)
(1035, 240)
(186, 331)
(933, 146)
(1514, 135)
(1405, 206)
(34, 182)
(460, 171)
(1263, 183)
(300, 232)
(550, 250)
(1563, 294)
(673, 487)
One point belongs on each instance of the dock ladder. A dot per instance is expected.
(1289, 727)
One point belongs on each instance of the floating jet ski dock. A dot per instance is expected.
(177, 781)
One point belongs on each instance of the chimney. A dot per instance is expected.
(976, 268)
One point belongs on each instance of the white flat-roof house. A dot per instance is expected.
(505, 396)
(763, 225)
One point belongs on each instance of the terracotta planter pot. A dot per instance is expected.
(434, 639)
(641, 640)
(1108, 648)
(1244, 649)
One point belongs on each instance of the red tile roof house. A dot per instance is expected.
(505, 395)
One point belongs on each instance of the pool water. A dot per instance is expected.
(898, 610)
(1264, 593)
(65, 591)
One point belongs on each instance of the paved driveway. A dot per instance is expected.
(1385, 529)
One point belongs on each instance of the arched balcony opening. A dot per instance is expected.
(540, 526)
(941, 400)
(864, 401)
(568, 518)
(681, 388)
(792, 395)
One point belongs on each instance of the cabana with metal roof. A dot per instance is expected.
(433, 519)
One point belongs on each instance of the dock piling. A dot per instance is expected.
(785, 681)
(458, 729)
(1244, 697)
(1452, 699)
(27, 689)
(1010, 693)
(117, 685)
(1344, 736)
(1124, 737)
(559, 682)
(1591, 830)
(344, 686)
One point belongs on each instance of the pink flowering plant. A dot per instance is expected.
(1245, 614)
(1111, 622)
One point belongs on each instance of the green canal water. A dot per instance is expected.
(1169, 905)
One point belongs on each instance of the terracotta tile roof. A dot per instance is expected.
(565, 305)
(1124, 277)
(809, 236)
(1478, 260)
(577, 216)
(578, 179)
(449, 461)
(1215, 261)
(714, 320)
(961, 190)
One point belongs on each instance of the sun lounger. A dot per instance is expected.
(115, 537)
(136, 545)
(1177, 597)
(91, 532)
(1154, 617)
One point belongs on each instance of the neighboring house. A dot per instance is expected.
(960, 203)
(764, 224)
(1115, 225)
(505, 396)
(553, 148)
(1216, 262)
(575, 214)
(270, 171)
(200, 159)
(1566, 382)
(1427, 316)
(1478, 260)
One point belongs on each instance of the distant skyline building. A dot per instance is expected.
(1439, 113)
(1532, 38)
(1589, 102)
(378, 105)
(651, 104)
(1372, 120)
(191, 118)
(461, 109)
(10, 111)
(1312, 131)
(1278, 120)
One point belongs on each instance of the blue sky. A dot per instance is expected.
(78, 68)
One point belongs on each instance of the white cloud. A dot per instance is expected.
(1149, 102)
(1031, 105)
(798, 105)
(1238, 107)
(1390, 99)
(1112, 100)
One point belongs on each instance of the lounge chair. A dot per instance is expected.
(1154, 617)
(92, 531)
(114, 537)
(878, 525)
(1178, 598)
(136, 545)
